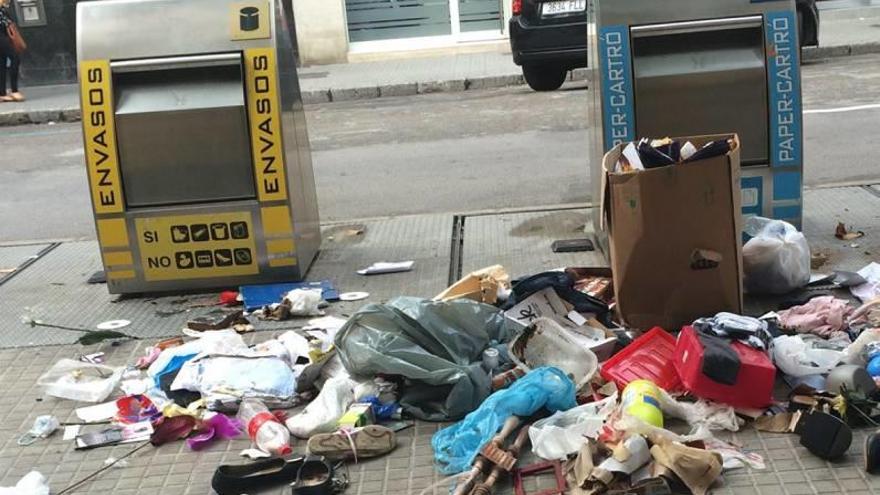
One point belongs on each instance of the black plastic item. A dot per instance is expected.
(572, 246)
(824, 435)
(652, 157)
(563, 283)
(872, 453)
(257, 476)
(720, 362)
(719, 147)
(182, 398)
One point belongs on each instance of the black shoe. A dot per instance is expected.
(824, 435)
(316, 477)
(872, 453)
(247, 478)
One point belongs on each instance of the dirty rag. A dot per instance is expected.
(456, 447)
(824, 316)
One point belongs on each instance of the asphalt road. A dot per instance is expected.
(448, 152)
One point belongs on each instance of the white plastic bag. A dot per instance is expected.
(76, 380)
(321, 415)
(701, 413)
(795, 357)
(564, 433)
(33, 483)
(777, 258)
(305, 302)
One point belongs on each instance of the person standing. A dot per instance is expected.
(8, 54)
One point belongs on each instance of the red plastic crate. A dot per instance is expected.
(754, 387)
(649, 357)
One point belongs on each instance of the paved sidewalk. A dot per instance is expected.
(52, 287)
(853, 31)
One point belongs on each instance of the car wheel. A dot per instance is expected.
(544, 77)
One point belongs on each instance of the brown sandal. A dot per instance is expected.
(369, 441)
(17, 96)
(6, 98)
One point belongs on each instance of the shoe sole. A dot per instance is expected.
(370, 441)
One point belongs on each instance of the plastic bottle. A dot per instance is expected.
(641, 399)
(264, 429)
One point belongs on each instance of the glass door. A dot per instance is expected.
(479, 15)
(373, 20)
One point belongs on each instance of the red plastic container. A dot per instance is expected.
(649, 357)
(754, 383)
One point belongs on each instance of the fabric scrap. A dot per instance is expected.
(824, 316)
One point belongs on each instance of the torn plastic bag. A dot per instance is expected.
(436, 345)
(215, 342)
(562, 434)
(776, 260)
(795, 357)
(33, 483)
(220, 377)
(76, 380)
(456, 447)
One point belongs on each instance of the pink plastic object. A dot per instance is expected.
(754, 383)
(649, 357)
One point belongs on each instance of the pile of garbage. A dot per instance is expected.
(542, 364)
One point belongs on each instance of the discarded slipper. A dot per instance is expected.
(872, 453)
(360, 443)
(824, 435)
(248, 478)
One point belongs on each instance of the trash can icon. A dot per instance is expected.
(249, 19)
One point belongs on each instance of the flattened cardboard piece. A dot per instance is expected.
(675, 238)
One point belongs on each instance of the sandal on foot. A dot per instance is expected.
(360, 443)
(248, 478)
(17, 96)
(6, 98)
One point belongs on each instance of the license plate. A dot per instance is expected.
(563, 7)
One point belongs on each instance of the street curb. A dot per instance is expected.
(311, 97)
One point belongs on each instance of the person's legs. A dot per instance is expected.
(5, 50)
(2, 74)
(14, 62)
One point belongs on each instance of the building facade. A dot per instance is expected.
(327, 31)
(337, 31)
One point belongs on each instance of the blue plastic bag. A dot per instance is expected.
(456, 447)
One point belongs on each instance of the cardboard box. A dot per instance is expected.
(674, 237)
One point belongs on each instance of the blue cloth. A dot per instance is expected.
(456, 447)
(173, 365)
